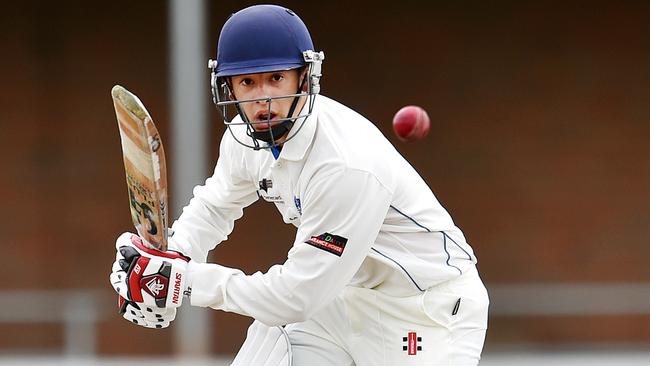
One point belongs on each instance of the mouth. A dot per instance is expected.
(263, 117)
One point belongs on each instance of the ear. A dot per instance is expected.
(231, 93)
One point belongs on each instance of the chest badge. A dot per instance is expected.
(265, 184)
(296, 201)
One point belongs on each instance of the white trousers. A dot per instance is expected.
(442, 326)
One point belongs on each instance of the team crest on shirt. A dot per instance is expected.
(266, 191)
(296, 201)
(265, 184)
(329, 243)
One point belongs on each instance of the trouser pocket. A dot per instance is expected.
(461, 303)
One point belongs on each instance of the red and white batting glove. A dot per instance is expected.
(148, 277)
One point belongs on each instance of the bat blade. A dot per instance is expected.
(145, 167)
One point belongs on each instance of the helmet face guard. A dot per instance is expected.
(261, 39)
(229, 107)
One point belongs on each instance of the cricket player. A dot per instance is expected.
(378, 273)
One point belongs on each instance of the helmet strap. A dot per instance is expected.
(272, 134)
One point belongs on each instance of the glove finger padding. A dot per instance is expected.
(147, 276)
(118, 280)
(150, 317)
(158, 315)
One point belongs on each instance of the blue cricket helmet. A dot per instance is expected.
(258, 39)
(262, 38)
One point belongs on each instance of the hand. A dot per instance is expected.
(148, 277)
(145, 316)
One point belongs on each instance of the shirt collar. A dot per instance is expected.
(296, 148)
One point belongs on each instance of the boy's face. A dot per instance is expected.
(264, 85)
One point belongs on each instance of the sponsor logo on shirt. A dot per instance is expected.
(329, 243)
(276, 198)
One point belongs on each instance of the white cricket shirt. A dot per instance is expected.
(364, 218)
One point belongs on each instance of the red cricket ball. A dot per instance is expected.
(411, 123)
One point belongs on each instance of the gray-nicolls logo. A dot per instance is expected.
(155, 286)
(411, 346)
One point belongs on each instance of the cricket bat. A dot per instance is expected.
(145, 167)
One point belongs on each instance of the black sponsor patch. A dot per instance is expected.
(329, 243)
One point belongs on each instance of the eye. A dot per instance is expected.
(277, 77)
(246, 81)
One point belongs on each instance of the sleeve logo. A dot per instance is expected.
(329, 243)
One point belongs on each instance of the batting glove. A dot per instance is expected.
(149, 277)
(145, 316)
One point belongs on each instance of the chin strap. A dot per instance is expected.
(273, 134)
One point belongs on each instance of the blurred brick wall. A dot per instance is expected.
(62, 183)
(538, 148)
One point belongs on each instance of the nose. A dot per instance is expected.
(262, 93)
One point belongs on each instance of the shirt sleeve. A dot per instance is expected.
(342, 215)
(210, 216)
